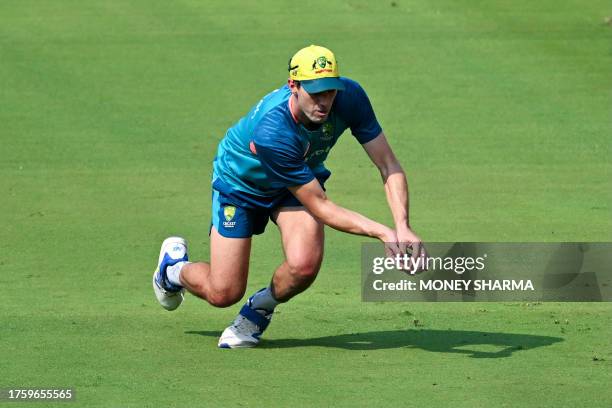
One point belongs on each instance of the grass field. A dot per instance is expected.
(110, 112)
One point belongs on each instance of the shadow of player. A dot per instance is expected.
(470, 343)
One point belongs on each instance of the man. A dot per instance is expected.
(270, 166)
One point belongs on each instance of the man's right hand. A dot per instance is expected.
(389, 238)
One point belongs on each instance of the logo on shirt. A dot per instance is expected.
(317, 153)
(328, 131)
(229, 211)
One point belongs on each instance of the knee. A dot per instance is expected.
(304, 267)
(225, 297)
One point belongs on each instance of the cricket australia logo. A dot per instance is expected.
(228, 212)
(328, 132)
(322, 62)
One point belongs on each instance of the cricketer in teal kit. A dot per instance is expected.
(268, 150)
(270, 166)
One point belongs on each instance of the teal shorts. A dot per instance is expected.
(232, 220)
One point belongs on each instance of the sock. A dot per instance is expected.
(173, 272)
(263, 299)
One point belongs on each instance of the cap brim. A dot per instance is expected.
(322, 84)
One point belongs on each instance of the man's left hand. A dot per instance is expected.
(406, 238)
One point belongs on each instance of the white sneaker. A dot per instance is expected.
(246, 329)
(173, 250)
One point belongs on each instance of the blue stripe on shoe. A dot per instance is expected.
(254, 317)
(165, 263)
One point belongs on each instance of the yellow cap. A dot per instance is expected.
(316, 68)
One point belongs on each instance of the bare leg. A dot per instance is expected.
(221, 282)
(303, 240)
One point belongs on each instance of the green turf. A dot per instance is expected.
(110, 112)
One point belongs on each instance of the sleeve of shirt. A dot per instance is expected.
(356, 109)
(282, 159)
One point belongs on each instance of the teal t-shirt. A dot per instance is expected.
(268, 151)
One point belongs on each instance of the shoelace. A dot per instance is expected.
(245, 326)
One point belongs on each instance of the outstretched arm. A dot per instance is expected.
(396, 189)
(315, 200)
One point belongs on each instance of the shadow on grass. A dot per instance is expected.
(475, 344)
